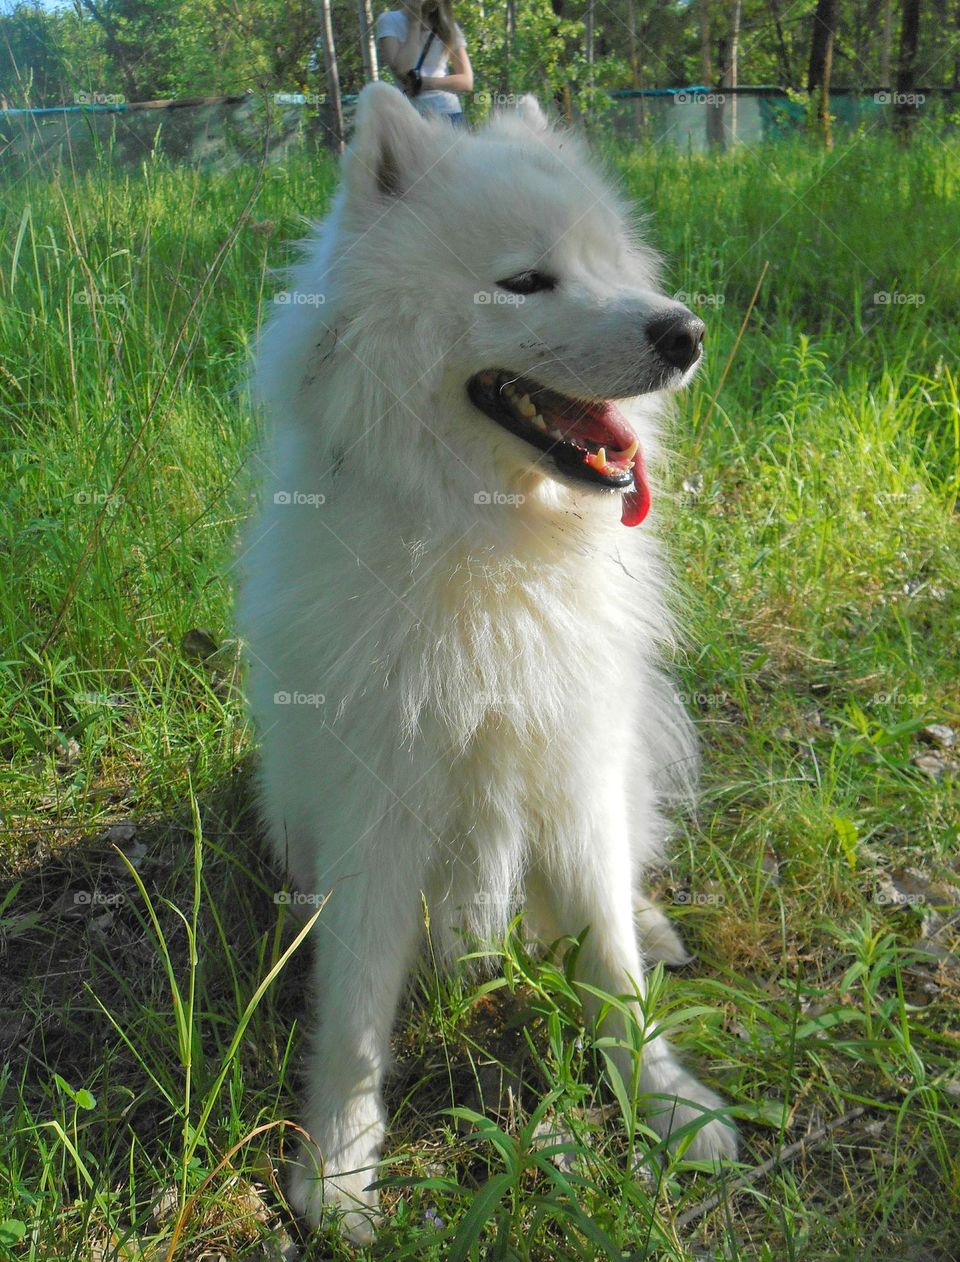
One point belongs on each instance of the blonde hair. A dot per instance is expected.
(437, 15)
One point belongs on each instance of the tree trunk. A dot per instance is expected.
(731, 69)
(116, 50)
(566, 104)
(714, 112)
(821, 63)
(783, 55)
(509, 41)
(334, 104)
(706, 61)
(589, 40)
(562, 95)
(904, 108)
(886, 44)
(368, 41)
(632, 43)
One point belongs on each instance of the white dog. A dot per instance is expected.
(453, 634)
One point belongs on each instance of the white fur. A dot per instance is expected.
(495, 731)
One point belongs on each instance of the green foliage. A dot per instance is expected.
(145, 49)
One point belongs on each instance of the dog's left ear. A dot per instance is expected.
(385, 155)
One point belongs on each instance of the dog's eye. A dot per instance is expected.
(531, 282)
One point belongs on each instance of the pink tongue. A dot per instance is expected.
(636, 503)
(606, 425)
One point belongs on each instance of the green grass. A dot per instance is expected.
(813, 517)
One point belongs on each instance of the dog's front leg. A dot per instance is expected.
(364, 942)
(587, 884)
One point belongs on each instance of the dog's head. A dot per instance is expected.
(486, 303)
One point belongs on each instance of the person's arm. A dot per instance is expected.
(388, 50)
(459, 80)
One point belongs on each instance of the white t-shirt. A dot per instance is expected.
(411, 37)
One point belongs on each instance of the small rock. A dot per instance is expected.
(816, 724)
(198, 644)
(550, 1131)
(165, 1206)
(940, 735)
(934, 765)
(771, 865)
(68, 752)
(119, 834)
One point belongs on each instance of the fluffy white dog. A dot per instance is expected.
(453, 632)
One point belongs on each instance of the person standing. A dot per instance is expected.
(426, 50)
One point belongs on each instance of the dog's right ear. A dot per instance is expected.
(384, 156)
(528, 107)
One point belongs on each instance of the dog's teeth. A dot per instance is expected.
(509, 390)
(539, 422)
(598, 460)
(626, 456)
(555, 433)
(526, 407)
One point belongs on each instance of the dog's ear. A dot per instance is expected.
(528, 107)
(385, 155)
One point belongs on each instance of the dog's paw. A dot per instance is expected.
(317, 1199)
(659, 941)
(715, 1140)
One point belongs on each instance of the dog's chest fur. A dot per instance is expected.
(519, 644)
(529, 671)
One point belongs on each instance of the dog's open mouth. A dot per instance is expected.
(586, 439)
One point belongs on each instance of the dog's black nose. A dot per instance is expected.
(677, 339)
